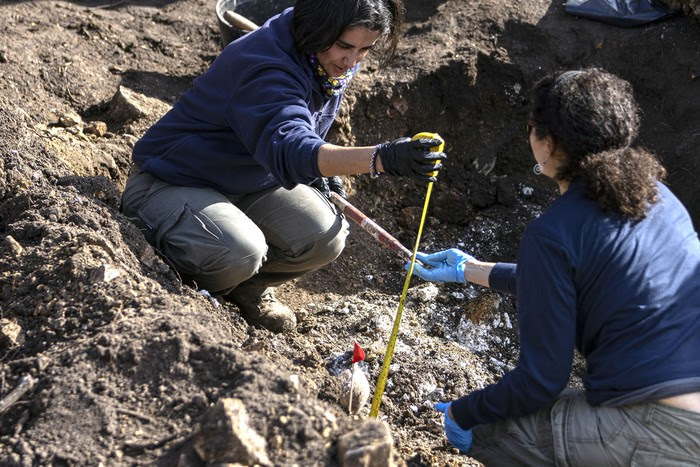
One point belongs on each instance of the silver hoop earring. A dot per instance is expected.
(537, 169)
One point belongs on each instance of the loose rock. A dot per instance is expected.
(11, 334)
(224, 436)
(370, 444)
(360, 390)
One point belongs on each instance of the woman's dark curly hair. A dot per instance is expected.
(593, 118)
(317, 24)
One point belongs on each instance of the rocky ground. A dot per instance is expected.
(106, 358)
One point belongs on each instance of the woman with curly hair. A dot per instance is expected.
(611, 268)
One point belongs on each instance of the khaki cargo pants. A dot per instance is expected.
(573, 433)
(220, 241)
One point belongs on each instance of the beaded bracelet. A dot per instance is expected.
(373, 163)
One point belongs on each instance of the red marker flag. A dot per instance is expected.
(357, 353)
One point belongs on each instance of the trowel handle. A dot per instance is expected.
(239, 21)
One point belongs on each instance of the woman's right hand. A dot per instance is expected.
(444, 266)
(406, 157)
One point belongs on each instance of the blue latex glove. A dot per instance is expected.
(445, 266)
(456, 435)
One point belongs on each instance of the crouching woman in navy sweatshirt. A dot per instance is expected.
(611, 268)
(221, 184)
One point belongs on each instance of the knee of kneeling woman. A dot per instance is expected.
(222, 274)
(329, 247)
(338, 244)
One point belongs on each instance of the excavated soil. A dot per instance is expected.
(115, 361)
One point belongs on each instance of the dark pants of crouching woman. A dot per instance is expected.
(219, 241)
(571, 432)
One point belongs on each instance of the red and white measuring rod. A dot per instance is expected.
(368, 225)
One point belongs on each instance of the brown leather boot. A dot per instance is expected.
(260, 306)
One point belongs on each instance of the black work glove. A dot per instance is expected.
(331, 184)
(336, 185)
(405, 157)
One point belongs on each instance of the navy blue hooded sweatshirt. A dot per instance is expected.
(256, 119)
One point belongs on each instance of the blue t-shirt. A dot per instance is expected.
(254, 120)
(625, 294)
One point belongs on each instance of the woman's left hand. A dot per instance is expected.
(331, 184)
(456, 435)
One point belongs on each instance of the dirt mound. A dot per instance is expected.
(688, 7)
(126, 361)
(124, 364)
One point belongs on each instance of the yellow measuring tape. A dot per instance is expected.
(384, 373)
